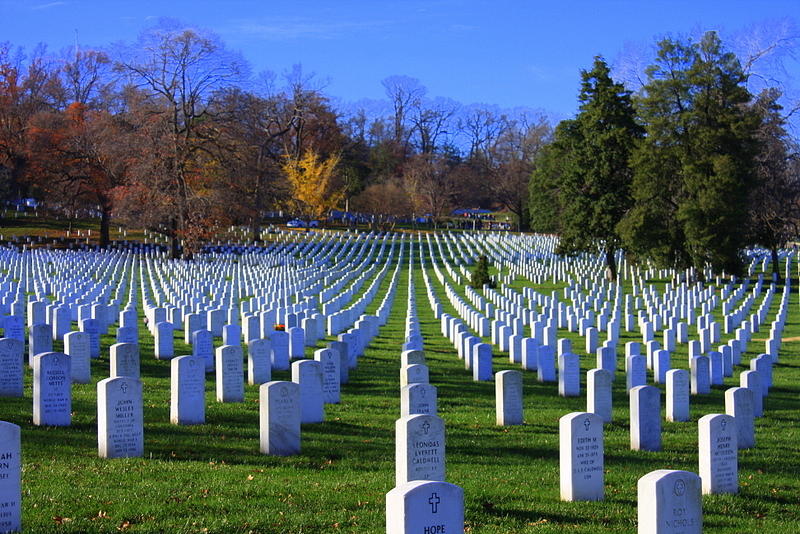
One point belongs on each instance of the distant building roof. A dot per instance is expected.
(470, 211)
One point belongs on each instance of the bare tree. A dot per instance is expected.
(88, 78)
(774, 204)
(253, 129)
(430, 183)
(179, 71)
(513, 156)
(481, 126)
(431, 121)
(405, 94)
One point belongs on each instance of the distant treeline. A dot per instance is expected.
(174, 133)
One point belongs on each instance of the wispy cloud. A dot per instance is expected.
(539, 73)
(303, 29)
(48, 5)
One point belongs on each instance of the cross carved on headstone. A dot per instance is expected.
(434, 502)
(124, 387)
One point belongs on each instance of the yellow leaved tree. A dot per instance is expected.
(314, 181)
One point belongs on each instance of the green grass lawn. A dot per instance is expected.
(212, 478)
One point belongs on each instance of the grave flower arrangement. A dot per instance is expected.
(280, 327)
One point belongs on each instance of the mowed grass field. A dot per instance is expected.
(212, 478)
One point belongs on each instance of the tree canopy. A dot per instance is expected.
(695, 167)
(586, 177)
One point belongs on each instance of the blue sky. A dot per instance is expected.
(504, 53)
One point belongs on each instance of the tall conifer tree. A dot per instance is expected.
(588, 168)
(695, 168)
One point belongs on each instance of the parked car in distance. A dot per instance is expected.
(297, 223)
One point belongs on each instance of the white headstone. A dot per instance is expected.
(410, 357)
(569, 377)
(636, 374)
(329, 364)
(678, 395)
(418, 399)
(508, 398)
(739, 404)
(419, 449)
(752, 381)
(76, 346)
(414, 374)
(308, 375)
(127, 334)
(163, 342)
(187, 391)
(482, 362)
(229, 374)
(280, 350)
(52, 389)
(645, 412)
(231, 334)
(12, 367)
(546, 371)
(120, 428)
(203, 346)
(10, 478)
(259, 361)
(581, 457)
(192, 322)
(297, 342)
(92, 327)
(40, 340)
(700, 375)
(425, 507)
(124, 360)
(718, 454)
(598, 393)
(669, 502)
(661, 364)
(279, 418)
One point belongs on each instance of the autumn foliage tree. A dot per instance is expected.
(26, 89)
(75, 160)
(315, 186)
(179, 73)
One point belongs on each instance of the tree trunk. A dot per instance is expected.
(175, 250)
(525, 219)
(105, 223)
(776, 270)
(611, 265)
(255, 228)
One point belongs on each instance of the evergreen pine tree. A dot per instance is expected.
(695, 167)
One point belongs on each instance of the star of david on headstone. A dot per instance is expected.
(434, 502)
(124, 387)
(425, 427)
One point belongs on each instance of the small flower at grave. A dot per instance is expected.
(280, 327)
